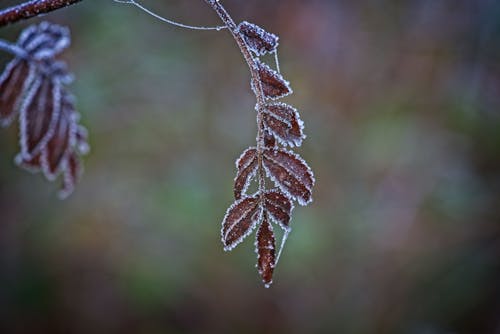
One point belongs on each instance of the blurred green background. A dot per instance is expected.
(401, 105)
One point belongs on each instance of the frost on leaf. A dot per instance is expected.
(284, 122)
(58, 148)
(279, 207)
(34, 85)
(44, 40)
(290, 173)
(72, 173)
(13, 84)
(273, 84)
(246, 169)
(241, 218)
(269, 140)
(81, 140)
(257, 39)
(33, 164)
(266, 251)
(38, 115)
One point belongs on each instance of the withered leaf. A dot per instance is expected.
(239, 221)
(279, 207)
(15, 79)
(72, 172)
(246, 169)
(57, 70)
(59, 146)
(269, 140)
(31, 164)
(81, 140)
(266, 251)
(290, 173)
(284, 122)
(273, 84)
(44, 40)
(257, 39)
(33, 84)
(38, 115)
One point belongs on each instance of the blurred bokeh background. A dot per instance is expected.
(401, 102)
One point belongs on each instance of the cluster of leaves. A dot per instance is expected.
(33, 89)
(279, 126)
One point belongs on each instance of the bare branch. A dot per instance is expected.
(31, 9)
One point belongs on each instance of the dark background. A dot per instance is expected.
(401, 105)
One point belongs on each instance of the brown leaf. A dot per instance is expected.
(283, 121)
(290, 173)
(247, 167)
(269, 140)
(60, 144)
(32, 164)
(44, 40)
(82, 137)
(257, 39)
(239, 221)
(279, 208)
(266, 252)
(38, 115)
(273, 84)
(72, 172)
(14, 81)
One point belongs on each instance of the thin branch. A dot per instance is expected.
(277, 61)
(259, 93)
(31, 9)
(283, 241)
(161, 18)
(261, 101)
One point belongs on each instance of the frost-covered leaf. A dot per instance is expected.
(57, 70)
(257, 39)
(14, 81)
(59, 147)
(31, 164)
(269, 140)
(290, 173)
(279, 207)
(38, 115)
(239, 221)
(246, 169)
(81, 140)
(284, 122)
(44, 40)
(72, 172)
(34, 84)
(266, 251)
(273, 84)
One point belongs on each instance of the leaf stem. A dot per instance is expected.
(161, 18)
(257, 86)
